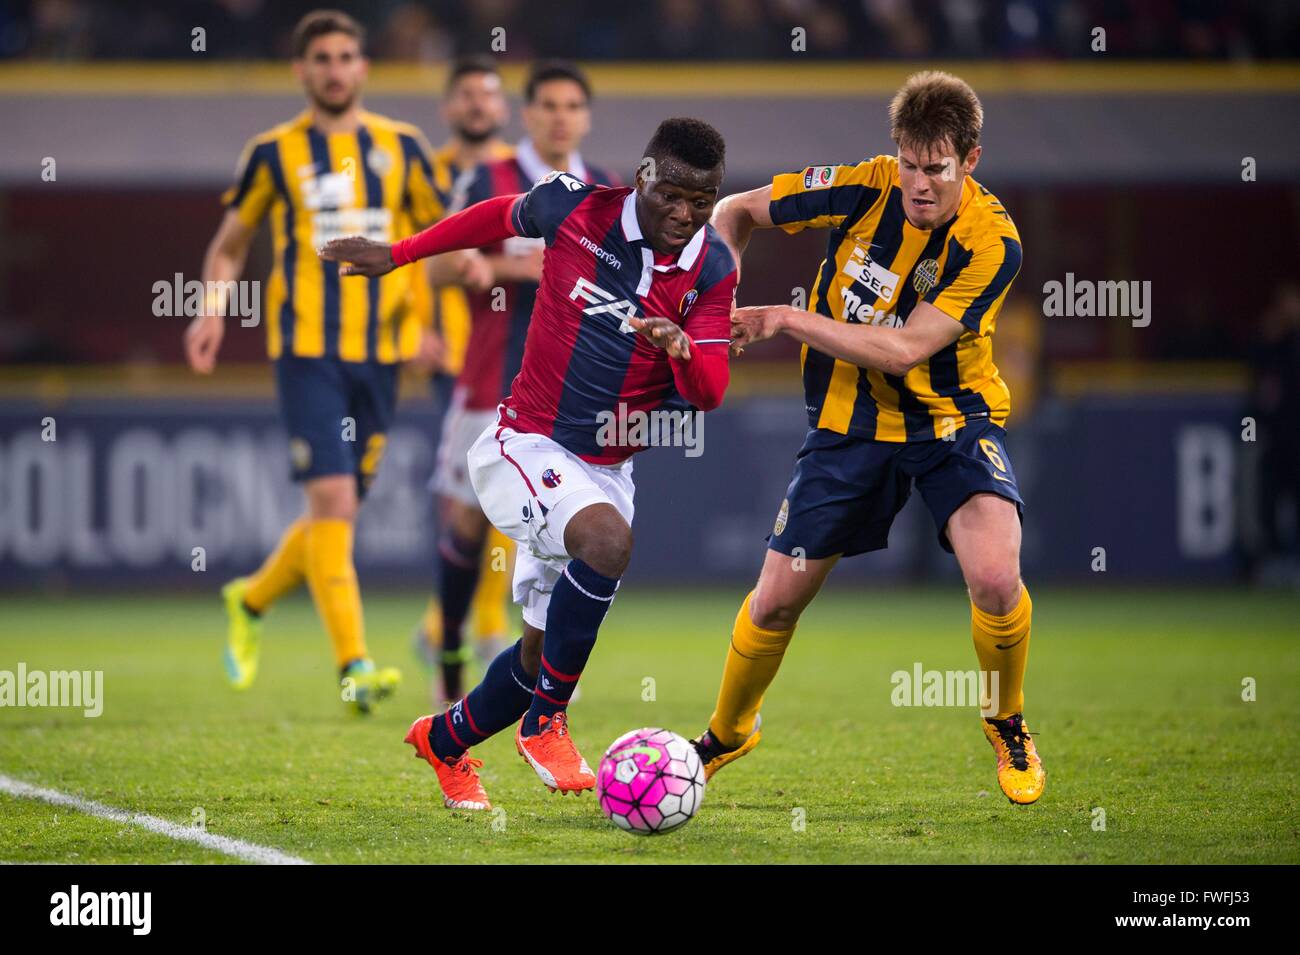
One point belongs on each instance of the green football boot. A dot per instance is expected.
(243, 636)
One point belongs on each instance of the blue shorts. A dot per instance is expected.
(846, 491)
(337, 414)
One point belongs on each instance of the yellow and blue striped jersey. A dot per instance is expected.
(878, 266)
(380, 182)
(452, 306)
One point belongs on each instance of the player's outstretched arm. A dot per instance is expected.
(222, 263)
(737, 216)
(358, 255)
(481, 224)
(894, 351)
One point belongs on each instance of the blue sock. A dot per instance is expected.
(494, 704)
(578, 605)
(457, 577)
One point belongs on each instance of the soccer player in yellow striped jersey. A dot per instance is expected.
(474, 108)
(334, 170)
(900, 389)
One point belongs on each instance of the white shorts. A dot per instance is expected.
(460, 429)
(530, 487)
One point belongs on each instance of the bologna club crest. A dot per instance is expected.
(687, 301)
(551, 477)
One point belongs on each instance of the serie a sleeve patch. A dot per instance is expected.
(819, 177)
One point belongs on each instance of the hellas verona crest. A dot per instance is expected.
(379, 161)
(925, 275)
(782, 516)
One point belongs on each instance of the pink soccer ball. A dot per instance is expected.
(650, 781)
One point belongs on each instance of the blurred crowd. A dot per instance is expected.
(666, 29)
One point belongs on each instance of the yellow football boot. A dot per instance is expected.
(364, 684)
(714, 755)
(1020, 771)
(243, 636)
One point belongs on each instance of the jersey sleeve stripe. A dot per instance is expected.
(1002, 278)
(256, 160)
(411, 151)
(718, 264)
(517, 218)
(958, 258)
(806, 206)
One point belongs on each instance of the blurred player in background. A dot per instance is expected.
(900, 387)
(334, 170)
(474, 107)
(632, 315)
(557, 116)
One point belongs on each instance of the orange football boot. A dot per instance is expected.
(461, 787)
(1020, 771)
(553, 756)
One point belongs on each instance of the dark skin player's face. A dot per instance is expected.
(675, 204)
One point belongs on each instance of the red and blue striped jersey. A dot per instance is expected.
(500, 318)
(582, 361)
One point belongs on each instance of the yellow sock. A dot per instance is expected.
(432, 622)
(333, 582)
(282, 571)
(1002, 645)
(489, 607)
(752, 661)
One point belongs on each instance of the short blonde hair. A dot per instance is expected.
(933, 107)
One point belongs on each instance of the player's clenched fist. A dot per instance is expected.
(664, 333)
(202, 341)
(755, 323)
(363, 256)
(475, 271)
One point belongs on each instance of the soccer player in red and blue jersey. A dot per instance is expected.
(632, 316)
(556, 117)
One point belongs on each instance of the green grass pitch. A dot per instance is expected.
(1135, 696)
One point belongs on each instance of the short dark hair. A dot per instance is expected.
(933, 107)
(322, 22)
(470, 65)
(546, 70)
(692, 141)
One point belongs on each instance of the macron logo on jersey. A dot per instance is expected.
(609, 258)
(603, 302)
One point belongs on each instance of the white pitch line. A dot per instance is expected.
(248, 851)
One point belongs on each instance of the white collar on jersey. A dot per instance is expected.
(534, 167)
(632, 232)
